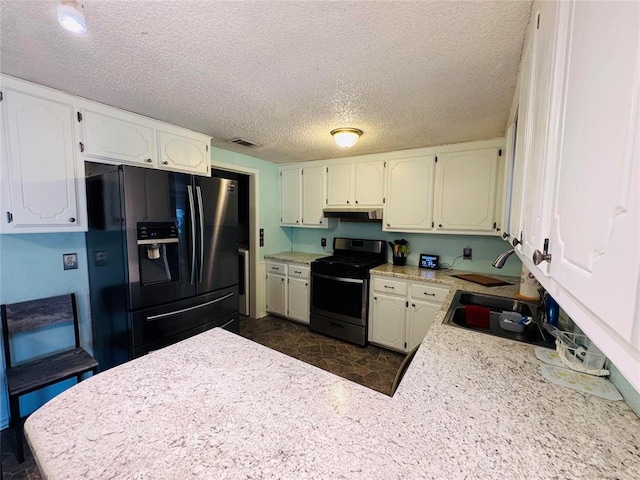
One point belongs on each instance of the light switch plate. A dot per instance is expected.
(70, 261)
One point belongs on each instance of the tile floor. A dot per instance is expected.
(11, 469)
(370, 366)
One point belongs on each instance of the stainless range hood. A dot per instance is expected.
(356, 214)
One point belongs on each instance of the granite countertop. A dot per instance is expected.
(295, 257)
(469, 406)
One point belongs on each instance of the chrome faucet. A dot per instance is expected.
(502, 258)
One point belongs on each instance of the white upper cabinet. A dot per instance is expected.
(109, 134)
(595, 223)
(369, 184)
(578, 138)
(313, 185)
(302, 197)
(42, 174)
(114, 136)
(465, 190)
(340, 182)
(290, 184)
(359, 184)
(408, 205)
(539, 157)
(183, 151)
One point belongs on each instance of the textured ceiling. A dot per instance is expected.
(284, 73)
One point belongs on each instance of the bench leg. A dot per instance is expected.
(16, 423)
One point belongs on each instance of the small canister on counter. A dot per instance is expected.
(528, 286)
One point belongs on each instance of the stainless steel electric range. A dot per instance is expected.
(340, 288)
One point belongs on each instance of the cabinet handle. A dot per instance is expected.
(275, 268)
(347, 201)
(413, 305)
(297, 271)
(165, 163)
(148, 160)
(505, 235)
(72, 219)
(375, 298)
(430, 294)
(545, 256)
(440, 225)
(387, 286)
(356, 201)
(388, 224)
(516, 242)
(297, 221)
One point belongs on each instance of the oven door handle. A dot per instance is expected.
(339, 279)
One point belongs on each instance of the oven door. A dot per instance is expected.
(340, 298)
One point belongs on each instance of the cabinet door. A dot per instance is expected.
(369, 184)
(465, 190)
(595, 222)
(387, 321)
(178, 151)
(539, 161)
(118, 136)
(276, 294)
(290, 196)
(340, 185)
(420, 318)
(299, 299)
(409, 194)
(313, 195)
(45, 179)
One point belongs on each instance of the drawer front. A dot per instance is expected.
(298, 271)
(424, 291)
(277, 268)
(386, 285)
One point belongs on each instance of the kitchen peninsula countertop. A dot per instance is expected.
(295, 257)
(220, 406)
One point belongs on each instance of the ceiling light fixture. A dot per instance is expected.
(71, 18)
(346, 137)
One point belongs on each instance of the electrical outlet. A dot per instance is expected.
(466, 253)
(70, 261)
(323, 242)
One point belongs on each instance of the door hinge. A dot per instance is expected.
(385, 164)
(327, 169)
(407, 303)
(436, 159)
(207, 147)
(9, 217)
(538, 25)
(494, 225)
(433, 224)
(384, 199)
(79, 116)
(281, 174)
(81, 147)
(499, 152)
(1, 96)
(326, 200)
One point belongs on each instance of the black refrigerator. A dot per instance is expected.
(162, 250)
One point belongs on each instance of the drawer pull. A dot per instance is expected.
(275, 268)
(297, 271)
(387, 286)
(430, 294)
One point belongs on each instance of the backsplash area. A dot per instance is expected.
(485, 249)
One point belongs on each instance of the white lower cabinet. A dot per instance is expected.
(288, 290)
(276, 288)
(401, 312)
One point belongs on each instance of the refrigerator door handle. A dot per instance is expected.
(192, 210)
(177, 312)
(201, 212)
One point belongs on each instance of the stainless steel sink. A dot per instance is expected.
(532, 334)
